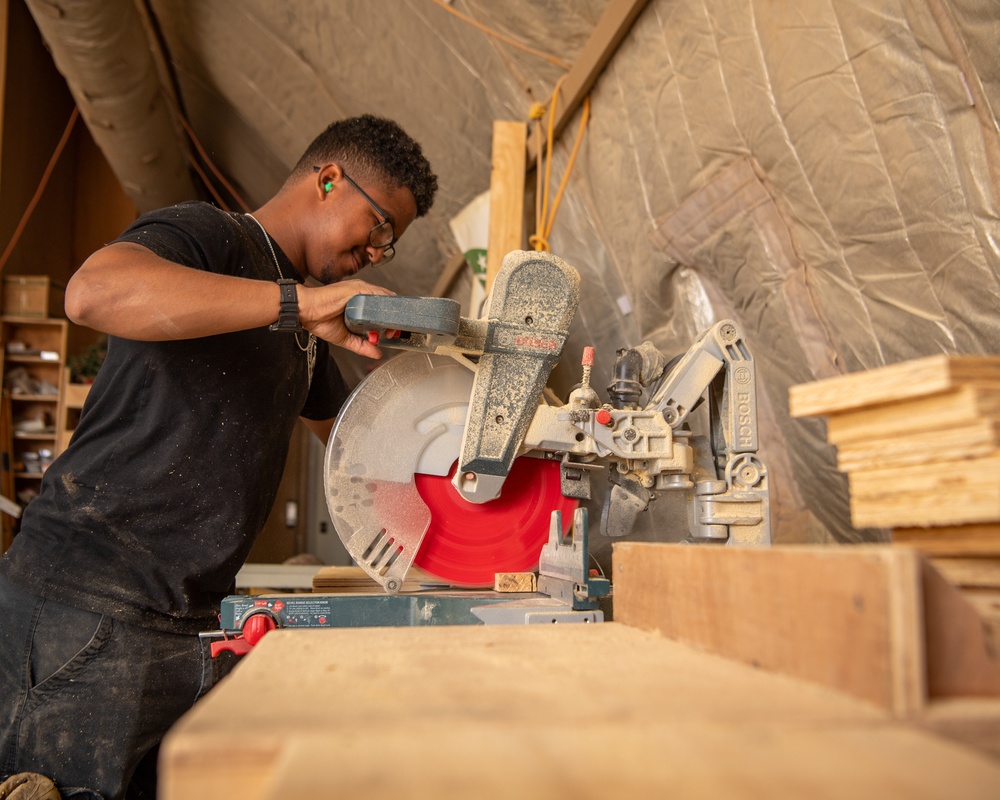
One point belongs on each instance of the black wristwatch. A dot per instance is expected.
(288, 316)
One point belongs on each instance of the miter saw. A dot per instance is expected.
(451, 458)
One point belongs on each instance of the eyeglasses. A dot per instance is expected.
(381, 237)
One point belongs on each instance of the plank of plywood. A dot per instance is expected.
(923, 446)
(506, 195)
(346, 580)
(449, 273)
(951, 540)
(554, 711)
(845, 617)
(962, 506)
(967, 404)
(911, 379)
(946, 493)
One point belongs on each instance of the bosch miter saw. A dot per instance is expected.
(451, 458)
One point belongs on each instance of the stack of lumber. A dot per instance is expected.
(919, 441)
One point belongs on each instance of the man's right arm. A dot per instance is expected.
(126, 290)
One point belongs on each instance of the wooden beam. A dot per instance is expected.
(448, 275)
(506, 195)
(611, 29)
(540, 711)
(875, 622)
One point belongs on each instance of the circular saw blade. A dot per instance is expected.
(471, 542)
(387, 482)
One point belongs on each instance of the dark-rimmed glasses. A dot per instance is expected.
(381, 237)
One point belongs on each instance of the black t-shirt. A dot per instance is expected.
(175, 464)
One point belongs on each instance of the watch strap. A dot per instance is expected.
(288, 314)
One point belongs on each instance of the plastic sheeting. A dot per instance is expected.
(827, 173)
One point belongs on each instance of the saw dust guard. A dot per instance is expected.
(447, 458)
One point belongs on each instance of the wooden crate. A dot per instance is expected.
(32, 296)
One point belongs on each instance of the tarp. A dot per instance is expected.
(826, 173)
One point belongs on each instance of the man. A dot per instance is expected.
(216, 348)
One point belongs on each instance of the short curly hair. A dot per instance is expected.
(376, 148)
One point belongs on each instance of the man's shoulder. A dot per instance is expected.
(187, 210)
(193, 233)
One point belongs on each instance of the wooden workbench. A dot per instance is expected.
(581, 711)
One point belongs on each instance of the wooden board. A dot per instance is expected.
(506, 195)
(348, 580)
(846, 617)
(613, 26)
(951, 540)
(945, 493)
(911, 379)
(533, 711)
(967, 404)
(976, 439)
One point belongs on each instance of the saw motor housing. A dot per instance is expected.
(647, 449)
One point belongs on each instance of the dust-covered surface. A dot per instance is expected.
(825, 173)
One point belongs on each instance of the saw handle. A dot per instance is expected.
(438, 316)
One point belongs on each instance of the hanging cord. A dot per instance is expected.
(41, 188)
(544, 217)
(211, 165)
(496, 35)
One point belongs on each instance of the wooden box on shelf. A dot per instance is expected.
(31, 296)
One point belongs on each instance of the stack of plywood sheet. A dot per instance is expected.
(920, 441)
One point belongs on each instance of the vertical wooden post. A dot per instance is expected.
(506, 194)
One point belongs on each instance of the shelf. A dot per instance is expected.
(33, 354)
(20, 358)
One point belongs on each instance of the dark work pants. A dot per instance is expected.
(86, 699)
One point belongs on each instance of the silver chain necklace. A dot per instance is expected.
(309, 348)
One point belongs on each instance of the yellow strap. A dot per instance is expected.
(545, 219)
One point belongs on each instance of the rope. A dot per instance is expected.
(544, 217)
(496, 35)
(41, 188)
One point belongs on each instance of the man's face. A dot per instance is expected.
(352, 231)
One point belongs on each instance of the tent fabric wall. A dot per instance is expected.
(826, 173)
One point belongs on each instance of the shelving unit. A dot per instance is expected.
(34, 381)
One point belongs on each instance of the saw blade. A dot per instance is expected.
(471, 542)
(387, 473)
